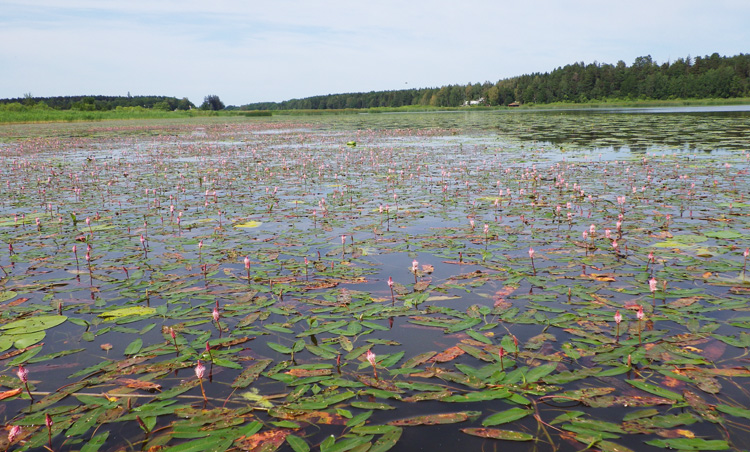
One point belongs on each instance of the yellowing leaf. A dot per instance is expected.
(125, 312)
(249, 224)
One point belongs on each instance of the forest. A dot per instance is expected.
(711, 76)
(708, 77)
(97, 103)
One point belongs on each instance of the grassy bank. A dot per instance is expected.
(33, 115)
(36, 115)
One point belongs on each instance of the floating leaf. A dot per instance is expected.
(494, 433)
(503, 417)
(436, 419)
(689, 444)
(33, 324)
(248, 224)
(115, 314)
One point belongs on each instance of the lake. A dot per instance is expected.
(539, 280)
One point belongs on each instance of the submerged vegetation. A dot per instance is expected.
(377, 282)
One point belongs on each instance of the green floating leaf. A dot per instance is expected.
(506, 416)
(127, 312)
(435, 419)
(689, 444)
(25, 340)
(655, 390)
(728, 234)
(250, 374)
(95, 443)
(7, 295)
(33, 324)
(387, 441)
(297, 444)
(248, 224)
(134, 347)
(494, 433)
(734, 411)
(372, 405)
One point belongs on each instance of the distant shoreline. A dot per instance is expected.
(31, 115)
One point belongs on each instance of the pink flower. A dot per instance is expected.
(343, 239)
(639, 314)
(607, 233)
(371, 357)
(23, 374)
(486, 228)
(48, 421)
(501, 353)
(592, 229)
(747, 252)
(14, 433)
(216, 315)
(200, 370)
(652, 284)
(390, 281)
(414, 266)
(585, 235)
(531, 252)
(247, 263)
(618, 317)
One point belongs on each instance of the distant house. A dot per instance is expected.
(514, 104)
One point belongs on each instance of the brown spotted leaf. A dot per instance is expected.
(435, 419)
(309, 372)
(138, 384)
(495, 433)
(264, 441)
(448, 355)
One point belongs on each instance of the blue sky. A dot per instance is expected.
(252, 51)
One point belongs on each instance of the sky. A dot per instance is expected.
(275, 50)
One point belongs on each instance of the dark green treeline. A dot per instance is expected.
(711, 76)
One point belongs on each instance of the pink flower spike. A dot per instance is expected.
(247, 263)
(618, 317)
(746, 253)
(390, 281)
(14, 433)
(200, 370)
(414, 266)
(531, 252)
(639, 314)
(216, 315)
(371, 357)
(23, 374)
(652, 284)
